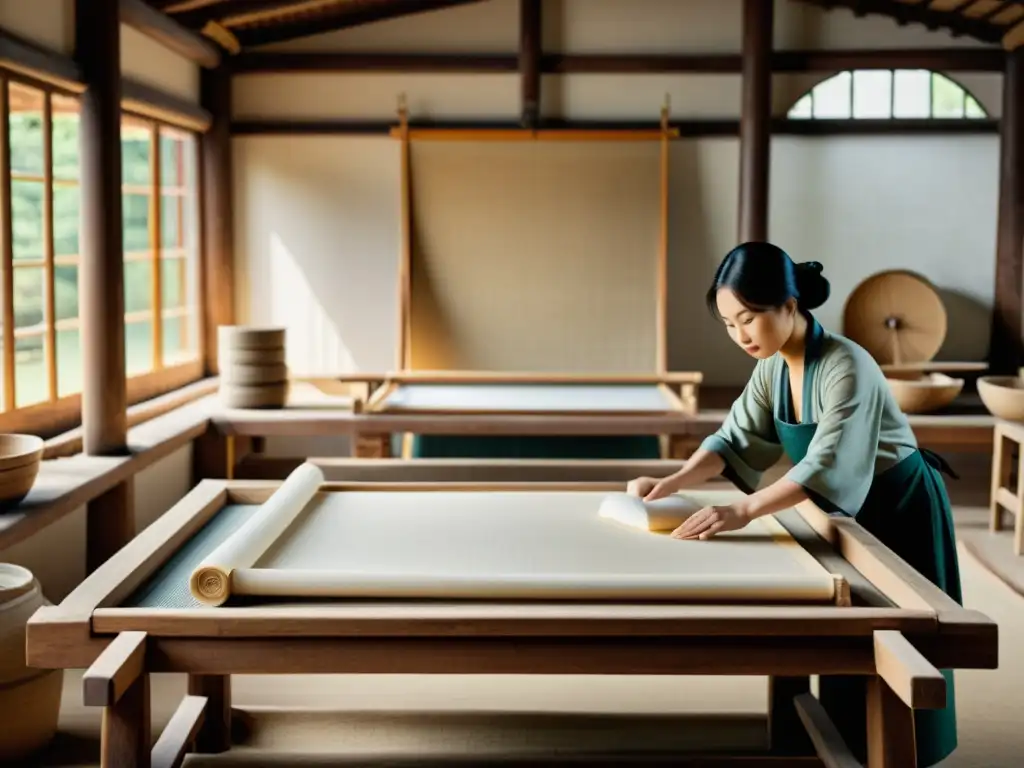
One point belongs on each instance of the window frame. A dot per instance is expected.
(931, 118)
(59, 414)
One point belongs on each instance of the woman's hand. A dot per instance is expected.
(711, 520)
(651, 488)
(641, 486)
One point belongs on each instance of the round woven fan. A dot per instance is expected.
(897, 316)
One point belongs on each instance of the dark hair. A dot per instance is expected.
(764, 277)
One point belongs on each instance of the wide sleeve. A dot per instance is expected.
(839, 466)
(747, 441)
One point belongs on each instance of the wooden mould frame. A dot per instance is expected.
(899, 631)
(676, 404)
(374, 422)
(406, 135)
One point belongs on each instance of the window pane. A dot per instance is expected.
(171, 172)
(947, 97)
(27, 219)
(911, 93)
(135, 208)
(973, 108)
(26, 125)
(173, 283)
(30, 373)
(179, 342)
(136, 138)
(65, 290)
(138, 346)
(65, 138)
(801, 109)
(872, 94)
(138, 285)
(189, 325)
(832, 97)
(171, 209)
(69, 362)
(65, 220)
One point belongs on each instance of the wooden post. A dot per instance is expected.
(101, 275)
(755, 120)
(1006, 347)
(529, 60)
(110, 518)
(218, 239)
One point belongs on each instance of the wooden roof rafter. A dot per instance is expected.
(236, 24)
(999, 22)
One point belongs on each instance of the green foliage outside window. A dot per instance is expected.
(29, 246)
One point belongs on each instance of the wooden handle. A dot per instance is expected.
(115, 669)
(913, 678)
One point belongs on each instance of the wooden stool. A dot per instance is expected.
(1001, 496)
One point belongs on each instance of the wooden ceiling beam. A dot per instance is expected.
(344, 16)
(942, 59)
(160, 27)
(197, 18)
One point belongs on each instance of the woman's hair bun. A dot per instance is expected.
(813, 287)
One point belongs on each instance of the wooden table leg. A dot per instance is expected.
(786, 732)
(214, 734)
(890, 728)
(1000, 477)
(125, 735)
(118, 682)
(366, 446)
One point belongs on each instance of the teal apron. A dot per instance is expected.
(908, 510)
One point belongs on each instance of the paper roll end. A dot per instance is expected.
(210, 585)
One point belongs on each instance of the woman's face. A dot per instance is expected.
(760, 334)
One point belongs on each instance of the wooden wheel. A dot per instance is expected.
(897, 316)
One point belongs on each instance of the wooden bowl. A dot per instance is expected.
(1003, 396)
(20, 451)
(16, 483)
(925, 394)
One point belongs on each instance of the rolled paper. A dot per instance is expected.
(665, 514)
(210, 582)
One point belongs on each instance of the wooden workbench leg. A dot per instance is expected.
(1018, 511)
(681, 447)
(215, 733)
(215, 456)
(118, 682)
(1000, 478)
(787, 734)
(366, 446)
(890, 728)
(125, 740)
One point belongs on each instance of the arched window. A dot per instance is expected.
(881, 94)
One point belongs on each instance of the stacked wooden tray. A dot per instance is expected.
(253, 373)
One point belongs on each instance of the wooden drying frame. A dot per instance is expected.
(899, 631)
(406, 134)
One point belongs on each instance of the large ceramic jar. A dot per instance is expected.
(29, 698)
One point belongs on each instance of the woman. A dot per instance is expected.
(821, 400)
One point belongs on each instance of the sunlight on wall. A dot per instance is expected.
(314, 345)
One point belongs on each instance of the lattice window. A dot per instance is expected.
(881, 94)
